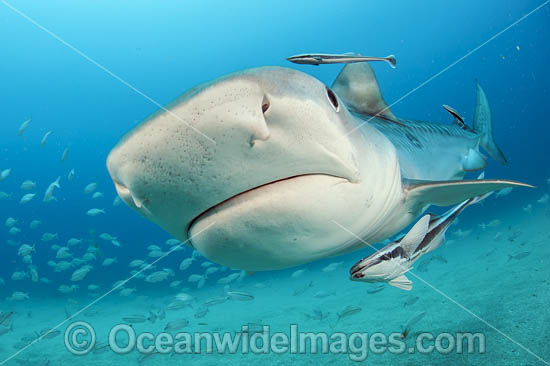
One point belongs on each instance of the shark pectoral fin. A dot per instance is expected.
(419, 194)
(402, 282)
(415, 236)
(357, 86)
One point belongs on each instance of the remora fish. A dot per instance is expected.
(324, 58)
(458, 120)
(336, 160)
(390, 263)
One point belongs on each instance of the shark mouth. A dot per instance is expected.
(254, 189)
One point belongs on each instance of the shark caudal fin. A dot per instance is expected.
(420, 194)
(483, 126)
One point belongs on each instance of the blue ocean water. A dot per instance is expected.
(89, 72)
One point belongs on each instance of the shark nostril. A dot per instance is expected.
(261, 131)
(127, 196)
(259, 136)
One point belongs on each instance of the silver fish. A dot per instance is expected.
(176, 305)
(135, 319)
(348, 311)
(23, 127)
(252, 328)
(68, 313)
(201, 313)
(321, 294)
(5, 318)
(325, 58)
(152, 317)
(518, 256)
(4, 329)
(412, 321)
(65, 153)
(176, 324)
(215, 301)
(317, 314)
(48, 195)
(303, 289)
(411, 300)
(239, 296)
(376, 289)
(415, 319)
(161, 315)
(45, 139)
(49, 333)
(28, 338)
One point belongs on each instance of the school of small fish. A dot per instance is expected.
(81, 263)
(79, 260)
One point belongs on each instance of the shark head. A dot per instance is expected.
(254, 169)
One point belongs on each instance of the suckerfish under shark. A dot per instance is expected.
(391, 263)
(293, 171)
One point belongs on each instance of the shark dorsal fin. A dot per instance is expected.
(357, 86)
(414, 237)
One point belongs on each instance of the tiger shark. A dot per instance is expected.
(289, 162)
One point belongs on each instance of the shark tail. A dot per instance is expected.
(483, 126)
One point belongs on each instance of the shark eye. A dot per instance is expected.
(333, 100)
(265, 104)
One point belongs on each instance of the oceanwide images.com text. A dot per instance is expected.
(80, 339)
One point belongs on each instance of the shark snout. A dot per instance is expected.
(260, 147)
(122, 184)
